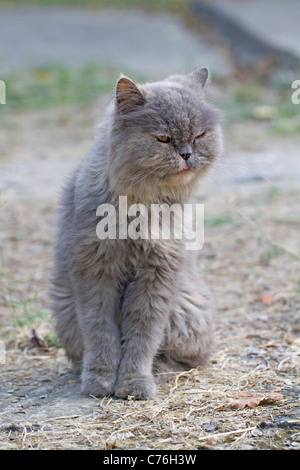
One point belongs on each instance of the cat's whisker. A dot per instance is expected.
(223, 171)
(233, 165)
(232, 169)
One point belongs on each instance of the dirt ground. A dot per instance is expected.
(248, 395)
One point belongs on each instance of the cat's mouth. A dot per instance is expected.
(187, 169)
(184, 172)
(183, 168)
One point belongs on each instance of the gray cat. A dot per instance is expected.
(129, 309)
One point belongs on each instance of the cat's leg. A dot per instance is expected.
(98, 304)
(144, 317)
(188, 338)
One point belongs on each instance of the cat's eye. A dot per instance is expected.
(163, 138)
(199, 136)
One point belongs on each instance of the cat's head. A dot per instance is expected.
(164, 136)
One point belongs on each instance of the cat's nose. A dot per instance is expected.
(185, 155)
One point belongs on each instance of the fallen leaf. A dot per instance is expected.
(242, 400)
(37, 340)
(266, 299)
(209, 442)
(270, 344)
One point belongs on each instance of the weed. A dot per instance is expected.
(221, 220)
(24, 315)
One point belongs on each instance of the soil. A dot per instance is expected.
(250, 259)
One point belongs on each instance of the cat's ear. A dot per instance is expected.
(128, 96)
(200, 76)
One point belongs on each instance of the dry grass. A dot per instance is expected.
(250, 259)
(192, 411)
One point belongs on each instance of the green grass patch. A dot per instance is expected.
(30, 318)
(254, 100)
(57, 85)
(154, 5)
(218, 221)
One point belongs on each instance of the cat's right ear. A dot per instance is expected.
(128, 96)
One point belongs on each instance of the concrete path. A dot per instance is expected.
(274, 21)
(153, 45)
(148, 44)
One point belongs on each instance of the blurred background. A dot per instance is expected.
(60, 61)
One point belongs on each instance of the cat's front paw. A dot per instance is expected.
(97, 384)
(141, 387)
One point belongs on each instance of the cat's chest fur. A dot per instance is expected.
(126, 259)
(135, 258)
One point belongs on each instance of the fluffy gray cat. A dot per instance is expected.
(127, 309)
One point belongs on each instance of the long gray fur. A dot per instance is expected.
(126, 310)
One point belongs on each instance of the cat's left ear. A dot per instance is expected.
(200, 76)
(128, 96)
